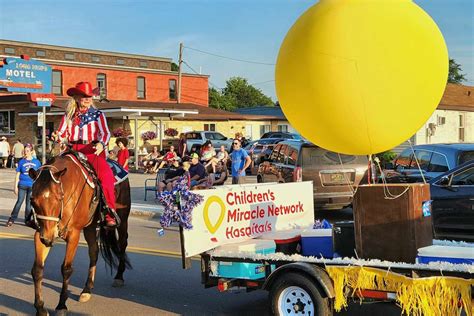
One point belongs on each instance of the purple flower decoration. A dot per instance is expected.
(179, 204)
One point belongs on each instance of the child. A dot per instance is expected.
(123, 154)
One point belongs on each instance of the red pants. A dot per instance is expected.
(102, 169)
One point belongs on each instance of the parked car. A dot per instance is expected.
(259, 150)
(434, 160)
(197, 138)
(453, 203)
(334, 175)
(284, 135)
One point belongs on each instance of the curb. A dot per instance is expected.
(148, 214)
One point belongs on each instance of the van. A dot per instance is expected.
(335, 176)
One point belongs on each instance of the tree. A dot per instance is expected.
(244, 94)
(455, 73)
(174, 67)
(219, 101)
(238, 93)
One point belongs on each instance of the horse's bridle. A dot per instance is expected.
(61, 231)
(51, 218)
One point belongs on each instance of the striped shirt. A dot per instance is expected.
(90, 126)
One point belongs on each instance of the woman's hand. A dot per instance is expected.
(99, 148)
(15, 190)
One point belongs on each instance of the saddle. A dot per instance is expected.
(88, 171)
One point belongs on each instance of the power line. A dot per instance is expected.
(230, 58)
(193, 70)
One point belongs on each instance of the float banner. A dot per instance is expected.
(233, 214)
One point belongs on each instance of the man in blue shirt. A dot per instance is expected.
(240, 161)
(23, 184)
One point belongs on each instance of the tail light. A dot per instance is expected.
(298, 174)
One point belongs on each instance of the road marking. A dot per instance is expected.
(131, 249)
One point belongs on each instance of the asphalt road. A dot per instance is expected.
(155, 286)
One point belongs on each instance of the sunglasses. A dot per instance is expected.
(236, 144)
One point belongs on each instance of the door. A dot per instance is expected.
(453, 204)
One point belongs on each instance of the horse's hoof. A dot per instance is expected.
(118, 283)
(61, 312)
(84, 297)
(42, 313)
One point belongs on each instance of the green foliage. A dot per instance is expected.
(174, 67)
(238, 93)
(386, 157)
(455, 73)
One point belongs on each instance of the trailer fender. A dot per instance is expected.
(311, 271)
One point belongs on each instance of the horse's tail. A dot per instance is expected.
(110, 249)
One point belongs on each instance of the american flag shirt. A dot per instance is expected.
(89, 126)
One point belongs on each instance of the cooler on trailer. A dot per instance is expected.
(243, 270)
(450, 254)
(287, 241)
(343, 239)
(317, 242)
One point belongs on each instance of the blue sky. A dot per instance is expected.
(245, 29)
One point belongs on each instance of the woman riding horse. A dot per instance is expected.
(85, 128)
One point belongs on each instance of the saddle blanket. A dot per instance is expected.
(119, 172)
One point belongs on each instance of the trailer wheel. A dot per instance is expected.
(294, 294)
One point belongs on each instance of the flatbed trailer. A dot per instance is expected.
(300, 285)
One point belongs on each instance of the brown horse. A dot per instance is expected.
(63, 204)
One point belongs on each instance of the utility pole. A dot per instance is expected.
(180, 62)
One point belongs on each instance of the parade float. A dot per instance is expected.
(346, 80)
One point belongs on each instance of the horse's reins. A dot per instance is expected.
(59, 217)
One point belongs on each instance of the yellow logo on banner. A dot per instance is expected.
(213, 199)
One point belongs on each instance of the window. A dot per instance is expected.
(466, 177)
(7, 122)
(141, 88)
(441, 120)
(219, 136)
(283, 128)
(403, 161)
(193, 136)
(210, 127)
(57, 82)
(274, 155)
(143, 63)
(95, 59)
(102, 85)
(264, 129)
(282, 156)
(39, 132)
(40, 53)
(423, 158)
(462, 122)
(120, 62)
(172, 89)
(466, 156)
(9, 50)
(438, 163)
(69, 56)
(292, 156)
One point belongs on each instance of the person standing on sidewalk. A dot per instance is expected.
(23, 184)
(4, 151)
(240, 161)
(18, 149)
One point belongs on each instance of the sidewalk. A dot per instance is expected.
(139, 206)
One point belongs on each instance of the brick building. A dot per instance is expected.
(137, 92)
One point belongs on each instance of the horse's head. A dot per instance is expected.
(47, 199)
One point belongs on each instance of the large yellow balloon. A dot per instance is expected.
(361, 76)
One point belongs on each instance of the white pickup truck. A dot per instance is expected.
(196, 139)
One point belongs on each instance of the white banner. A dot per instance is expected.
(236, 213)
